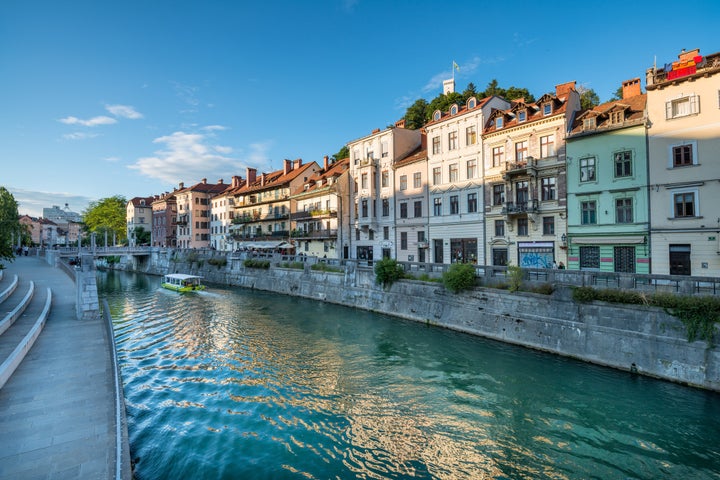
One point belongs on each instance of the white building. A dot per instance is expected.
(222, 210)
(372, 189)
(455, 170)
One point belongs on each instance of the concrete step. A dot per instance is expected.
(8, 283)
(31, 306)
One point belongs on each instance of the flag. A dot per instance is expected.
(455, 66)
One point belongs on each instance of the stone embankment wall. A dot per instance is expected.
(640, 339)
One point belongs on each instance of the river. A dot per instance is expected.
(233, 383)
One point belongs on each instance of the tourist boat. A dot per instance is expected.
(181, 282)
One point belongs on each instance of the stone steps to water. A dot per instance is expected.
(23, 313)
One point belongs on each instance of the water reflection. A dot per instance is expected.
(232, 383)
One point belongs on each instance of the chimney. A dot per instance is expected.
(297, 163)
(262, 179)
(423, 139)
(287, 166)
(562, 90)
(236, 179)
(377, 130)
(631, 88)
(220, 182)
(325, 163)
(204, 180)
(251, 174)
(400, 123)
(182, 185)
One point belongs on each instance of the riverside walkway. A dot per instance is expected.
(57, 415)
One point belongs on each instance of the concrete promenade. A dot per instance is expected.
(57, 417)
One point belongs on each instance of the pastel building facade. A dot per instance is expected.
(222, 213)
(683, 104)
(164, 221)
(319, 212)
(193, 213)
(372, 190)
(456, 225)
(138, 215)
(525, 179)
(607, 186)
(411, 206)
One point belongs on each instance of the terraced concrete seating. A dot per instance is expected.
(23, 312)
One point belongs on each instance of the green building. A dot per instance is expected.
(607, 186)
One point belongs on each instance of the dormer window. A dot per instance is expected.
(547, 109)
(589, 123)
(522, 116)
(436, 115)
(616, 117)
(499, 122)
(472, 102)
(453, 110)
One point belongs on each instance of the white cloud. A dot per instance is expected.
(112, 159)
(93, 122)
(187, 157)
(79, 136)
(214, 128)
(32, 202)
(467, 68)
(124, 111)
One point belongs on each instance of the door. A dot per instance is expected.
(624, 258)
(438, 250)
(679, 259)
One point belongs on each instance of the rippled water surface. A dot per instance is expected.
(233, 383)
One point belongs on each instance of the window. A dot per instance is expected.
(471, 103)
(471, 169)
(453, 172)
(364, 180)
(403, 210)
(371, 234)
(521, 151)
(472, 202)
(470, 136)
(364, 208)
(589, 123)
(403, 241)
(522, 227)
(386, 233)
(499, 122)
(436, 144)
(547, 109)
(499, 228)
(617, 117)
(590, 257)
(498, 156)
(417, 180)
(385, 207)
(384, 149)
(384, 179)
(454, 208)
(587, 169)
(452, 140)
(682, 155)
(522, 116)
(498, 194)
(521, 193)
(453, 110)
(437, 207)
(548, 225)
(418, 208)
(548, 188)
(623, 210)
(403, 182)
(437, 115)
(684, 204)
(623, 164)
(547, 146)
(682, 107)
(588, 213)
(437, 176)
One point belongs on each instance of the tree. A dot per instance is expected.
(618, 95)
(142, 236)
(9, 224)
(416, 114)
(344, 152)
(513, 93)
(107, 215)
(588, 98)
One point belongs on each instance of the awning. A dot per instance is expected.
(263, 245)
(617, 240)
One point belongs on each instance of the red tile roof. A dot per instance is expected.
(633, 110)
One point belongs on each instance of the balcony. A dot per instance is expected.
(525, 167)
(241, 219)
(314, 234)
(304, 215)
(512, 208)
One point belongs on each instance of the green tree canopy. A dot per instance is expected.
(9, 224)
(416, 114)
(588, 98)
(107, 215)
(344, 152)
(618, 95)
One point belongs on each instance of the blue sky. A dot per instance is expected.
(102, 98)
